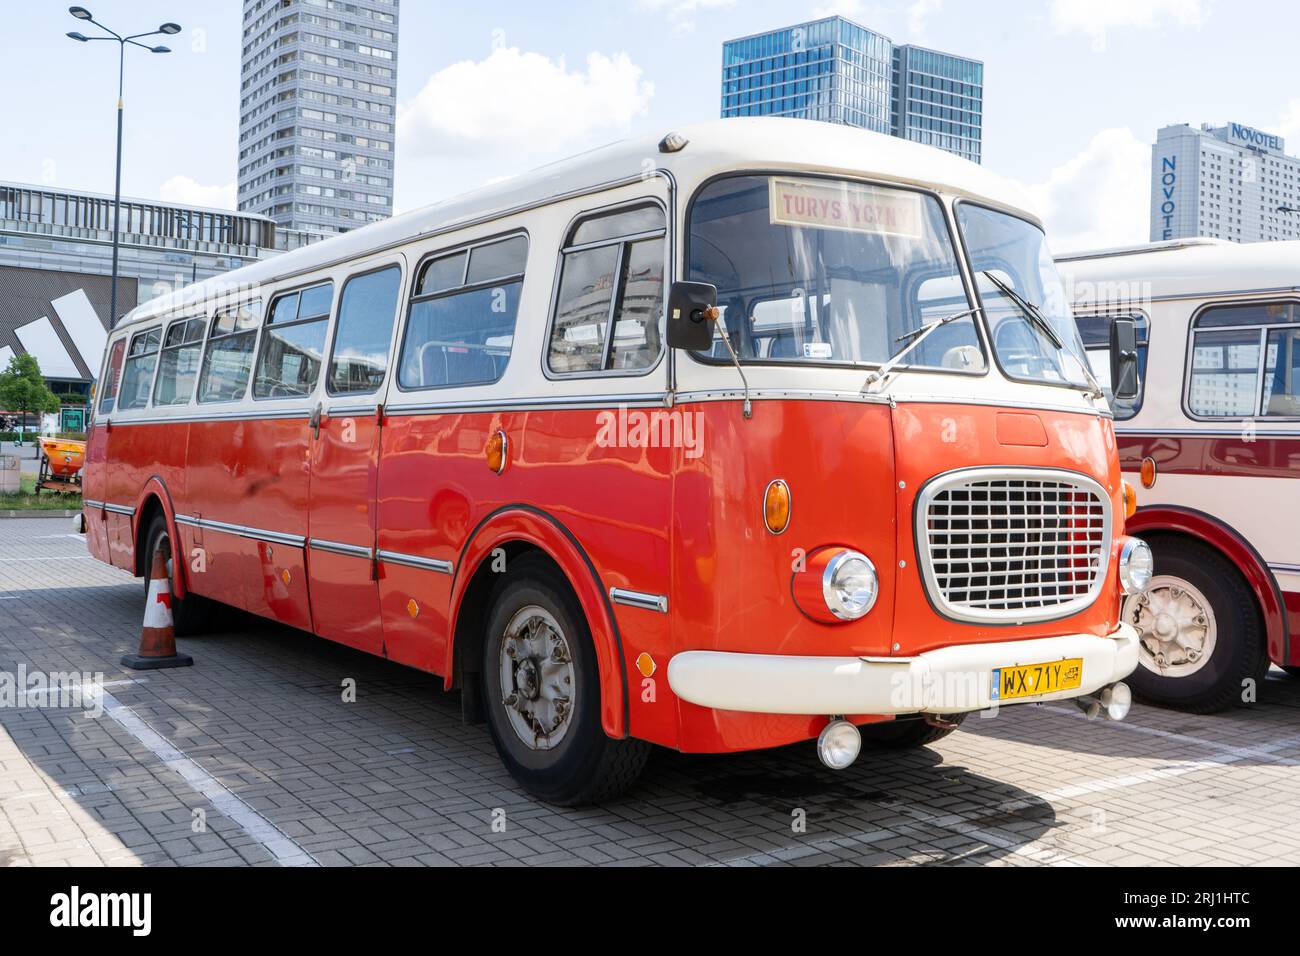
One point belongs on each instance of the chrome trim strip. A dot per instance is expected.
(415, 561)
(230, 416)
(1211, 432)
(348, 409)
(962, 476)
(242, 531)
(640, 599)
(1285, 568)
(89, 503)
(119, 509)
(1110, 305)
(274, 537)
(339, 547)
(643, 400)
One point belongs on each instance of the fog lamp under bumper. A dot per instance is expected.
(949, 680)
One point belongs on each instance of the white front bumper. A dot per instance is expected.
(950, 680)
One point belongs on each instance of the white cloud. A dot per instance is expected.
(182, 189)
(681, 13)
(1101, 197)
(1096, 17)
(918, 16)
(1289, 126)
(523, 102)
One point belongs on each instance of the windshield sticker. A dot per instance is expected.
(851, 207)
(817, 350)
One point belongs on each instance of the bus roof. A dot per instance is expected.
(713, 147)
(1188, 267)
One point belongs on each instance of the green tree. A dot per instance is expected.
(23, 389)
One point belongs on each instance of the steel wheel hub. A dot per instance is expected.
(1175, 624)
(538, 681)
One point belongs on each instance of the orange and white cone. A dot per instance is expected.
(157, 636)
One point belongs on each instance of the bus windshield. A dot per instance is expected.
(1033, 330)
(831, 272)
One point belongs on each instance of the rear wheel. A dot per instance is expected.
(906, 734)
(1200, 638)
(189, 614)
(542, 692)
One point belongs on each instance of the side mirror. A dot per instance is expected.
(690, 326)
(1123, 359)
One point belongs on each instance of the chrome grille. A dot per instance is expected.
(1013, 544)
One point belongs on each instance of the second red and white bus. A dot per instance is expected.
(505, 440)
(1213, 436)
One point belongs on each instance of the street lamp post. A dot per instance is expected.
(167, 29)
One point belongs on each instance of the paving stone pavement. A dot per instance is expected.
(252, 757)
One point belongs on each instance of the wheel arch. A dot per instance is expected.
(518, 529)
(154, 497)
(1215, 533)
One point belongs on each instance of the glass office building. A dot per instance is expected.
(318, 105)
(839, 72)
(938, 99)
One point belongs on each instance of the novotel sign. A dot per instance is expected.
(1253, 138)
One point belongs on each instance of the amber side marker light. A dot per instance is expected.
(497, 446)
(1148, 472)
(776, 506)
(1130, 499)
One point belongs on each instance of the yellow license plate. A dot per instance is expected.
(1030, 680)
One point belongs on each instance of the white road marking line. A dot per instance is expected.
(1264, 752)
(968, 824)
(277, 843)
(62, 557)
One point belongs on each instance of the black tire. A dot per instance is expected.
(1239, 653)
(1293, 671)
(910, 733)
(190, 615)
(584, 766)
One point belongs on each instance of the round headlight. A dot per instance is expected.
(849, 585)
(1136, 565)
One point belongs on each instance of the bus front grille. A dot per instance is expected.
(1013, 545)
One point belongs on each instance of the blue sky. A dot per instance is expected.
(1075, 89)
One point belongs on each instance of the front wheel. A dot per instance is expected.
(188, 614)
(1200, 640)
(542, 692)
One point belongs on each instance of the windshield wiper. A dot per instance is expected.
(1031, 311)
(1036, 318)
(917, 336)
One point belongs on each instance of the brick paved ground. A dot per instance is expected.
(256, 743)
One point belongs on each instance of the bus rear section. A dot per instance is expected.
(1211, 441)
(732, 455)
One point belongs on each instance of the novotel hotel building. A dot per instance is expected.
(1230, 182)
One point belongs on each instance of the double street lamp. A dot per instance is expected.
(167, 29)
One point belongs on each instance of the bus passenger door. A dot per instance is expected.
(345, 427)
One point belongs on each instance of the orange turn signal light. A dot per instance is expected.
(497, 446)
(1130, 500)
(776, 506)
(1148, 472)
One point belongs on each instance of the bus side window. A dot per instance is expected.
(228, 361)
(178, 363)
(1228, 343)
(461, 328)
(367, 310)
(137, 375)
(111, 373)
(293, 348)
(612, 273)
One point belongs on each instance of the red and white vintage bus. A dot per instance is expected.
(1214, 437)
(759, 433)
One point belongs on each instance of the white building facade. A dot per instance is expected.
(1230, 182)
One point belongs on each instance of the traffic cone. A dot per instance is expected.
(157, 636)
